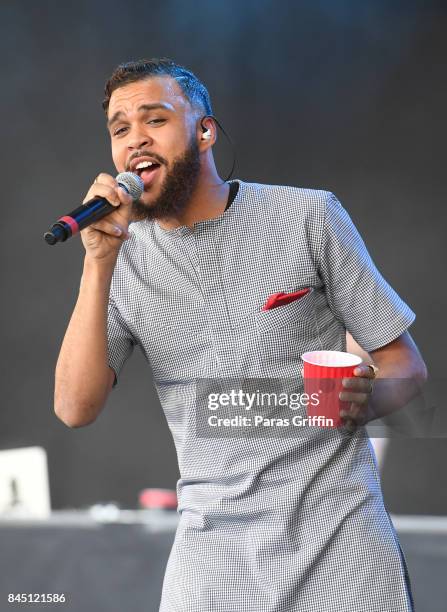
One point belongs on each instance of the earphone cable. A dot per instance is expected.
(232, 147)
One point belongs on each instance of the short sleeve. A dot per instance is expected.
(357, 293)
(120, 341)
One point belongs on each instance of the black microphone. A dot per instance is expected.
(91, 211)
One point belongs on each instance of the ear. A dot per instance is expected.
(207, 133)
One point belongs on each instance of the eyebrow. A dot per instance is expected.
(143, 107)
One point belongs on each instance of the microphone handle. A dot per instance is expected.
(78, 219)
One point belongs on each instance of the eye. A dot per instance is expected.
(119, 131)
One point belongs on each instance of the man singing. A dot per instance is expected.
(267, 524)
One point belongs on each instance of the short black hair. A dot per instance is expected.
(193, 89)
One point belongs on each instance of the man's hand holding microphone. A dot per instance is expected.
(104, 196)
(103, 239)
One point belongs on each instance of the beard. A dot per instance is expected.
(176, 190)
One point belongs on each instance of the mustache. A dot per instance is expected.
(158, 158)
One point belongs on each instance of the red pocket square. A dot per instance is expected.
(281, 298)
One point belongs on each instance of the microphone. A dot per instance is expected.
(97, 208)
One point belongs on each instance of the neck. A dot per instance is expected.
(208, 201)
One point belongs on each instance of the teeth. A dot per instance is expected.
(143, 164)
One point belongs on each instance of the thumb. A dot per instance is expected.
(126, 202)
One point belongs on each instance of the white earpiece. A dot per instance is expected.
(206, 135)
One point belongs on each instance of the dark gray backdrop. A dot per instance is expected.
(347, 96)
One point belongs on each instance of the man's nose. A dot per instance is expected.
(139, 141)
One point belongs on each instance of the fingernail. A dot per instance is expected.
(118, 231)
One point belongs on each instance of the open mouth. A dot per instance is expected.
(147, 171)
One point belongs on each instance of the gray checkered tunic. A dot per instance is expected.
(267, 524)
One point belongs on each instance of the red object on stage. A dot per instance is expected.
(158, 498)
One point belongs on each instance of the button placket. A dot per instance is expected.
(210, 278)
(225, 342)
(188, 243)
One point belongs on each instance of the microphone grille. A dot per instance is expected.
(132, 183)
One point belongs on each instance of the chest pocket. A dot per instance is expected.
(284, 333)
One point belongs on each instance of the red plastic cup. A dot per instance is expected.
(323, 374)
